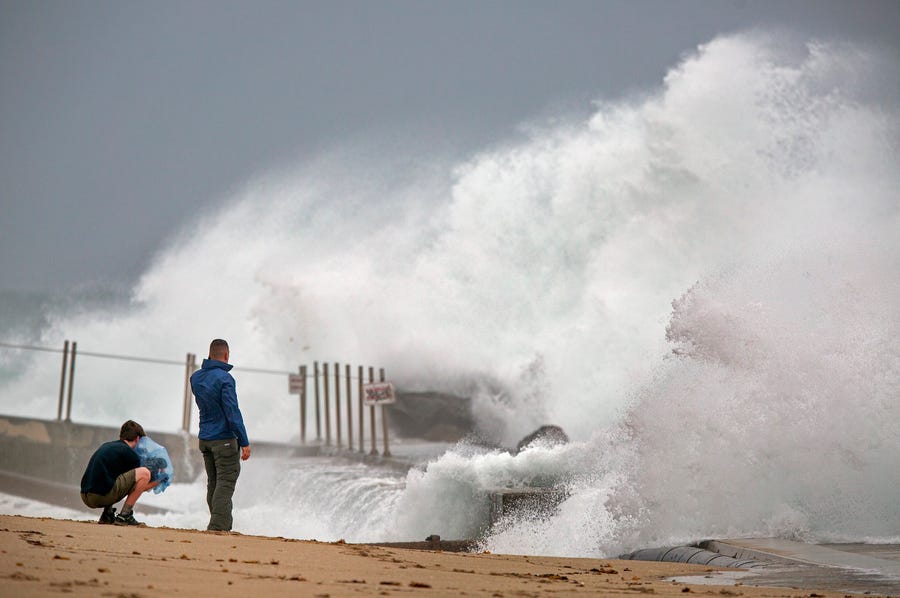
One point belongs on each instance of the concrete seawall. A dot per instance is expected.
(58, 451)
(44, 459)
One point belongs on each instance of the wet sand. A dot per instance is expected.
(41, 557)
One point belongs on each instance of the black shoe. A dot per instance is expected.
(126, 520)
(108, 515)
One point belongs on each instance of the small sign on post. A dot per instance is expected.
(378, 393)
(296, 384)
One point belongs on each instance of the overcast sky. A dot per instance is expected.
(120, 119)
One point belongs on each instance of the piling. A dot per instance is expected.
(302, 370)
(337, 403)
(349, 409)
(360, 395)
(189, 360)
(384, 422)
(327, 405)
(316, 383)
(71, 380)
(374, 450)
(62, 380)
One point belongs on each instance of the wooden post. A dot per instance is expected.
(62, 381)
(194, 368)
(349, 409)
(303, 406)
(327, 405)
(374, 450)
(337, 403)
(318, 419)
(362, 429)
(71, 380)
(186, 397)
(384, 423)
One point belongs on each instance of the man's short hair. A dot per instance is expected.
(131, 430)
(218, 348)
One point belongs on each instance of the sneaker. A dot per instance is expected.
(108, 515)
(126, 520)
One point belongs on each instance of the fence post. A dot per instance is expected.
(62, 381)
(337, 402)
(362, 430)
(327, 406)
(71, 380)
(318, 419)
(194, 368)
(384, 423)
(349, 410)
(190, 396)
(303, 406)
(186, 398)
(374, 450)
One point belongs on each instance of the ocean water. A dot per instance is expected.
(700, 283)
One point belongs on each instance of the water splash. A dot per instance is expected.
(757, 187)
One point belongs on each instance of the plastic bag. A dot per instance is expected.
(154, 457)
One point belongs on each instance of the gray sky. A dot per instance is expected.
(119, 119)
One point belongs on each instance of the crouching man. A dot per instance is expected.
(113, 473)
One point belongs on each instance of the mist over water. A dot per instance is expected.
(701, 285)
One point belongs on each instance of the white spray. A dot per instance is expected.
(758, 189)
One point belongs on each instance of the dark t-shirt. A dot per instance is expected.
(107, 463)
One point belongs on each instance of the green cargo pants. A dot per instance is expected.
(222, 459)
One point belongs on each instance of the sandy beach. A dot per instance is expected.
(41, 556)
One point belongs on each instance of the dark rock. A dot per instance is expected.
(547, 435)
(432, 416)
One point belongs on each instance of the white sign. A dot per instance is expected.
(378, 393)
(296, 384)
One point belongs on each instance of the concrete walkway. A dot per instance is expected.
(858, 568)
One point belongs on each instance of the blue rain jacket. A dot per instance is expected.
(214, 390)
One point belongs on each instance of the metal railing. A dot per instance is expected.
(322, 399)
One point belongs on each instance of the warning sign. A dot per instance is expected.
(379, 393)
(296, 384)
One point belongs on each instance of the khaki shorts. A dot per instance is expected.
(124, 484)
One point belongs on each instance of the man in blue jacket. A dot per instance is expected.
(114, 472)
(223, 438)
